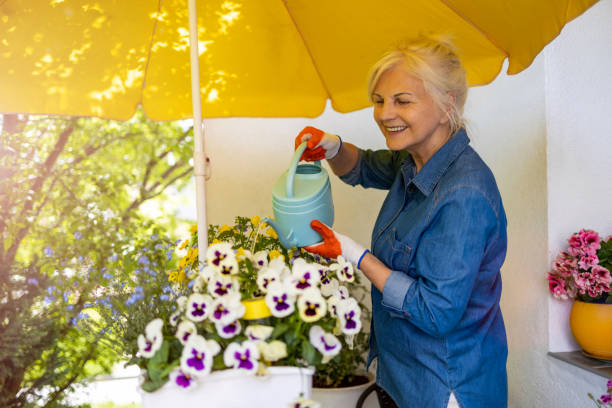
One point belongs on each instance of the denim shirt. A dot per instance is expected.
(437, 326)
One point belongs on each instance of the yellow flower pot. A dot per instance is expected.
(591, 325)
(255, 309)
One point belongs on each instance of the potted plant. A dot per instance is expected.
(605, 400)
(582, 272)
(253, 315)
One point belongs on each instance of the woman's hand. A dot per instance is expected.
(320, 145)
(335, 244)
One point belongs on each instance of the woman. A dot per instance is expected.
(439, 240)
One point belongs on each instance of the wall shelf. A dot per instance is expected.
(577, 359)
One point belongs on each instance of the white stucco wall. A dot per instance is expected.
(545, 134)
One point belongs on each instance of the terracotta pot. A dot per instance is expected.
(233, 389)
(591, 325)
(345, 397)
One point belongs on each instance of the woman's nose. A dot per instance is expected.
(386, 111)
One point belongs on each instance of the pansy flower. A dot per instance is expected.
(280, 299)
(258, 332)
(221, 285)
(207, 273)
(229, 267)
(175, 317)
(182, 379)
(344, 270)
(260, 259)
(265, 277)
(311, 305)
(279, 265)
(349, 315)
(227, 331)
(152, 340)
(324, 275)
(329, 287)
(226, 309)
(184, 330)
(197, 356)
(242, 356)
(181, 302)
(272, 351)
(198, 307)
(327, 344)
(305, 275)
(219, 252)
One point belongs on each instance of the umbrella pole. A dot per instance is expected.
(199, 155)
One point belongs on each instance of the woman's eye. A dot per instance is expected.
(401, 102)
(379, 102)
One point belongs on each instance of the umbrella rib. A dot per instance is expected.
(150, 50)
(307, 49)
(470, 22)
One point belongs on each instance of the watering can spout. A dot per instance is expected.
(286, 241)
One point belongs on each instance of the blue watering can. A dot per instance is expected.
(300, 195)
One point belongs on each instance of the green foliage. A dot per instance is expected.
(71, 190)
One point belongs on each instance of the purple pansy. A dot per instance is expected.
(242, 356)
(198, 354)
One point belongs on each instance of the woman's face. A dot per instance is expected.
(407, 115)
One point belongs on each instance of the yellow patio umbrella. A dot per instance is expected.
(257, 58)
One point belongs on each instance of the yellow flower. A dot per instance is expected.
(184, 261)
(216, 241)
(241, 254)
(276, 254)
(255, 220)
(224, 228)
(193, 229)
(184, 244)
(271, 233)
(172, 276)
(192, 254)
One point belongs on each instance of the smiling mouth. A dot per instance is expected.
(395, 129)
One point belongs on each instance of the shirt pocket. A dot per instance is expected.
(401, 252)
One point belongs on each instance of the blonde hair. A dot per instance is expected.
(436, 63)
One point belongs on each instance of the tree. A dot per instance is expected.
(71, 221)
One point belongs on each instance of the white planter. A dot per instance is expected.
(233, 389)
(344, 397)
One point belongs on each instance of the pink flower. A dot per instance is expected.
(589, 239)
(557, 286)
(601, 274)
(565, 265)
(583, 281)
(588, 261)
(575, 241)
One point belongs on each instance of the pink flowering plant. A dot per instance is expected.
(582, 271)
(313, 318)
(605, 400)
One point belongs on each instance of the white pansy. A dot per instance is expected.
(280, 299)
(197, 355)
(279, 265)
(326, 343)
(305, 403)
(266, 276)
(198, 307)
(184, 330)
(311, 305)
(273, 351)
(344, 270)
(305, 275)
(258, 332)
(349, 315)
(221, 255)
(226, 309)
(221, 285)
(207, 272)
(227, 331)
(152, 340)
(242, 356)
(329, 287)
(175, 317)
(199, 283)
(260, 259)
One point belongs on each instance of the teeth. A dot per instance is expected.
(396, 128)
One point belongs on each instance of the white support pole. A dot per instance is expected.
(199, 155)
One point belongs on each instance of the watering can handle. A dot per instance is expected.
(293, 167)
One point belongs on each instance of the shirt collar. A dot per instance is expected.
(426, 179)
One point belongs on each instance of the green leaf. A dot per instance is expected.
(157, 364)
(609, 299)
(309, 353)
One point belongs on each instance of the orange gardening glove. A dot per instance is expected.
(320, 145)
(335, 244)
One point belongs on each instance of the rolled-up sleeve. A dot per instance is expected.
(395, 290)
